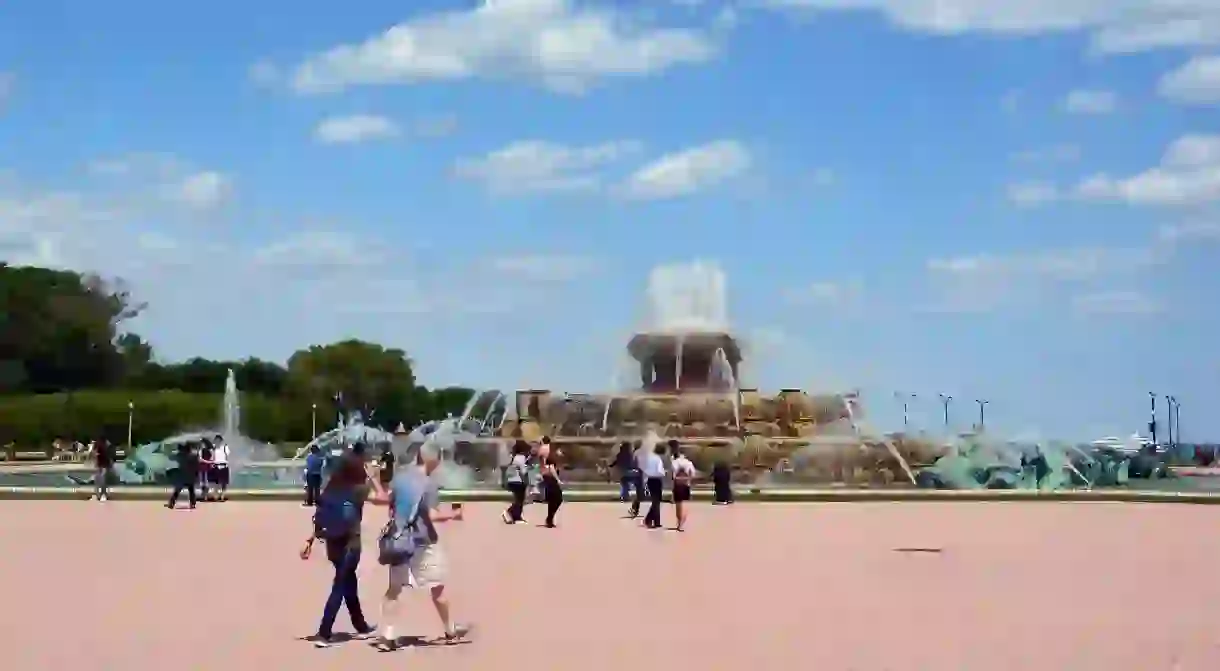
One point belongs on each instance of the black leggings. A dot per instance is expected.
(518, 505)
(189, 485)
(552, 493)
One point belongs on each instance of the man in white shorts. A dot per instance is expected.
(411, 487)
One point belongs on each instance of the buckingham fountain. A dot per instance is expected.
(682, 378)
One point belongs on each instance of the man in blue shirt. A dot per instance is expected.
(314, 463)
(413, 492)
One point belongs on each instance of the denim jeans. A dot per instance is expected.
(345, 588)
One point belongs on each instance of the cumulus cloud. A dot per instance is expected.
(1188, 174)
(200, 266)
(561, 44)
(1032, 193)
(355, 128)
(1125, 302)
(986, 282)
(688, 171)
(1114, 26)
(1090, 102)
(1197, 82)
(538, 166)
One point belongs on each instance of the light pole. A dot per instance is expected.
(1152, 418)
(313, 420)
(131, 417)
(945, 400)
(982, 421)
(1169, 427)
(1177, 419)
(906, 417)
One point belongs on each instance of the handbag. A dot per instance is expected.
(399, 541)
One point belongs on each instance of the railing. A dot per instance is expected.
(11, 453)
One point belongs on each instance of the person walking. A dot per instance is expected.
(637, 479)
(515, 476)
(414, 501)
(624, 464)
(684, 474)
(103, 462)
(653, 468)
(722, 483)
(207, 454)
(314, 462)
(185, 476)
(340, 510)
(218, 474)
(552, 486)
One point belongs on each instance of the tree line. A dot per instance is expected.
(70, 369)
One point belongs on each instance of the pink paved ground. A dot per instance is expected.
(1069, 587)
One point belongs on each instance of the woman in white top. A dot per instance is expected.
(684, 473)
(515, 476)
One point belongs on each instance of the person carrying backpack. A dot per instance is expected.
(340, 509)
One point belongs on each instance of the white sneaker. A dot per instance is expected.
(104, 498)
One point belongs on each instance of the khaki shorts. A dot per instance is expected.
(426, 569)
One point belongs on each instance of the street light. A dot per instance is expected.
(982, 421)
(1152, 419)
(1169, 429)
(945, 400)
(906, 417)
(131, 416)
(313, 420)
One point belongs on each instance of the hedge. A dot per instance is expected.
(31, 421)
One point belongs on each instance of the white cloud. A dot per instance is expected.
(202, 190)
(244, 269)
(1031, 194)
(985, 282)
(355, 128)
(1115, 26)
(1060, 153)
(1090, 102)
(536, 166)
(1116, 303)
(1195, 83)
(1189, 174)
(1190, 232)
(435, 126)
(688, 171)
(564, 45)
(546, 267)
(828, 294)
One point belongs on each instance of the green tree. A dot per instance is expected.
(58, 329)
(369, 376)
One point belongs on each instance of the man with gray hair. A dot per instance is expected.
(413, 495)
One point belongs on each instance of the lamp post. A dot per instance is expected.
(1169, 437)
(1152, 418)
(982, 420)
(131, 417)
(945, 400)
(313, 420)
(906, 417)
(1177, 418)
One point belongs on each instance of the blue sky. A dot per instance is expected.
(1008, 201)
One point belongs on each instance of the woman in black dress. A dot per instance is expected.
(552, 487)
(722, 485)
(683, 474)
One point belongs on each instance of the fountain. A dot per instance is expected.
(686, 384)
(150, 463)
